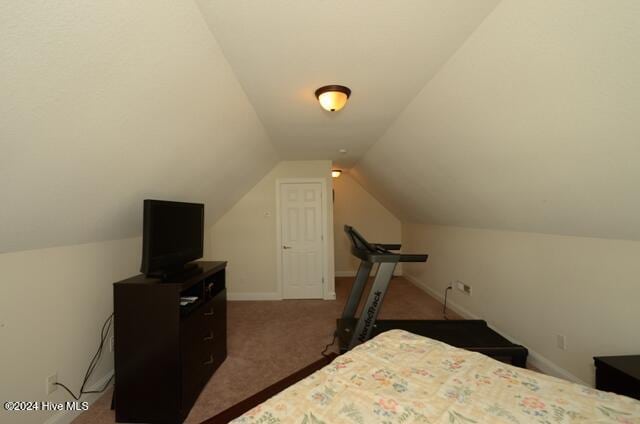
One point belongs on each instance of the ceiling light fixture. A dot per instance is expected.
(336, 173)
(333, 97)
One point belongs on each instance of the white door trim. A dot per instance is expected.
(325, 234)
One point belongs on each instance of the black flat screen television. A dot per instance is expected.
(172, 236)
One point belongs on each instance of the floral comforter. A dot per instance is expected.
(399, 377)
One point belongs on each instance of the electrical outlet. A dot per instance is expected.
(51, 385)
(111, 343)
(561, 342)
(464, 288)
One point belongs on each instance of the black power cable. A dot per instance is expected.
(326, 348)
(106, 327)
(444, 308)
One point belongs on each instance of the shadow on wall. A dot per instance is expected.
(353, 205)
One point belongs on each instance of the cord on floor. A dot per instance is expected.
(326, 348)
(444, 308)
(106, 327)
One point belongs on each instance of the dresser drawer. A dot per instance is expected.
(196, 352)
(619, 374)
(612, 380)
(197, 331)
(198, 319)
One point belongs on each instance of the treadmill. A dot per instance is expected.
(473, 335)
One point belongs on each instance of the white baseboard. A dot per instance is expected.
(346, 273)
(353, 273)
(266, 296)
(550, 368)
(66, 417)
(254, 296)
(330, 296)
(537, 360)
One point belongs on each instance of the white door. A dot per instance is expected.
(302, 240)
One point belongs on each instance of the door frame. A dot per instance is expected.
(324, 223)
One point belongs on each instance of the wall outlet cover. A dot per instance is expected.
(561, 342)
(464, 288)
(51, 385)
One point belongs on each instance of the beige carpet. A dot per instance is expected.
(269, 340)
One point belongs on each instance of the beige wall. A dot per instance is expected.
(52, 306)
(106, 103)
(283, 50)
(354, 206)
(532, 287)
(246, 235)
(103, 104)
(532, 125)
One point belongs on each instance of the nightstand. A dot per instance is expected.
(618, 374)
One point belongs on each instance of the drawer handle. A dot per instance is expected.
(209, 337)
(208, 314)
(210, 361)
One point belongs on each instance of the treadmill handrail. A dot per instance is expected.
(378, 253)
(390, 246)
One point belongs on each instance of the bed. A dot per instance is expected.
(399, 377)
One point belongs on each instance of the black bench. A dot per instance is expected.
(474, 335)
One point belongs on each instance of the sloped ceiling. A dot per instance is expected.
(528, 120)
(107, 103)
(533, 125)
(385, 51)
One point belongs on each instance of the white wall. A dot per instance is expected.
(354, 206)
(246, 235)
(532, 125)
(532, 287)
(53, 303)
(283, 50)
(103, 104)
(106, 103)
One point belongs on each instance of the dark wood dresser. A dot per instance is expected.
(618, 374)
(164, 352)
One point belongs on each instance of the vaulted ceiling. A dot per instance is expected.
(532, 125)
(107, 103)
(385, 51)
(511, 115)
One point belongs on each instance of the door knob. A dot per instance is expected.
(287, 247)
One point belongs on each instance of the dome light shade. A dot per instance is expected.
(333, 97)
(336, 173)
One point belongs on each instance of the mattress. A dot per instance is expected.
(400, 377)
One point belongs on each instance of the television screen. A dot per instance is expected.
(173, 235)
